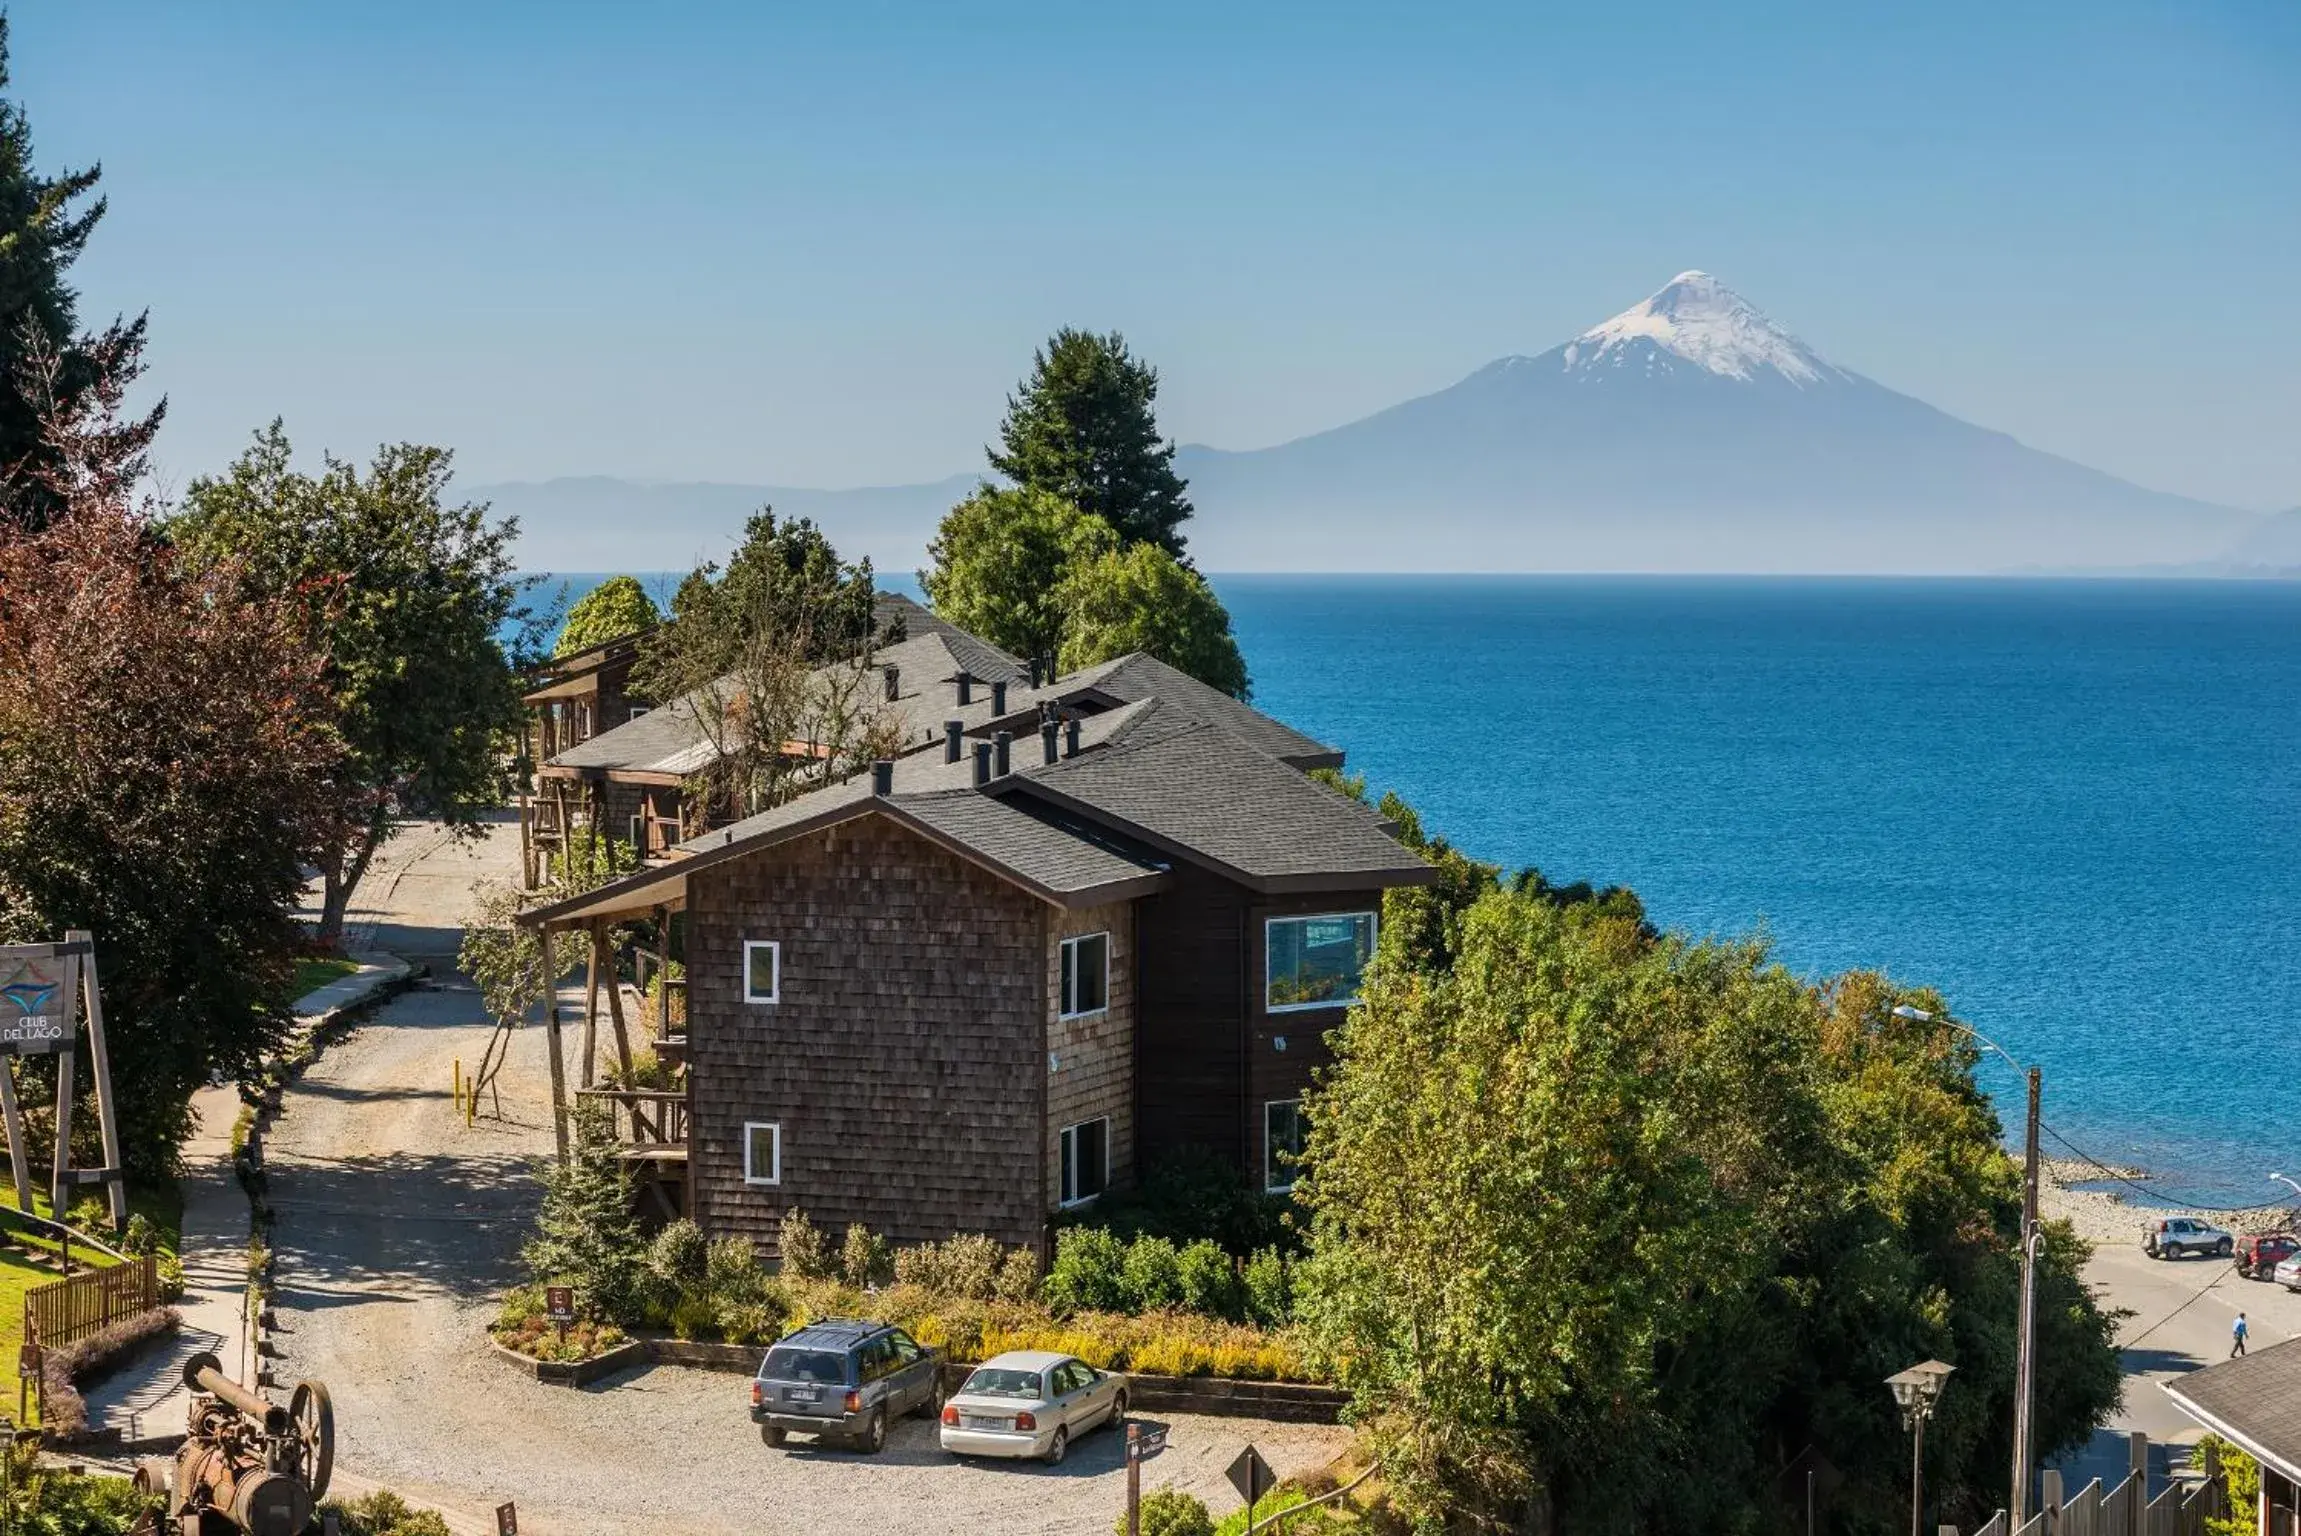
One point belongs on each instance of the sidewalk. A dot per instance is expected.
(147, 1402)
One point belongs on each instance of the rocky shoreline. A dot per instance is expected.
(2102, 1214)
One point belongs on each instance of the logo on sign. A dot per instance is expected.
(31, 1002)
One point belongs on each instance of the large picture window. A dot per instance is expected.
(762, 971)
(762, 1152)
(1316, 962)
(1281, 1144)
(1086, 974)
(1086, 1160)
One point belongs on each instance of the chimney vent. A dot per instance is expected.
(982, 763)
(883, 777)
(999, 697)
(1004, 743)
(894, 676)
(1034, 672)
(952, 730)
(966, 688)
(1047, 734)
(1071, 737)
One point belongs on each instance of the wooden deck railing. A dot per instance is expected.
(644, 1117)
(89, 1302)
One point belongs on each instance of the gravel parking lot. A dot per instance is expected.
(397, 1225)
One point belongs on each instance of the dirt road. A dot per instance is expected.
(397, 1225)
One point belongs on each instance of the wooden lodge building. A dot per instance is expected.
(1073, 927)
(574, 699)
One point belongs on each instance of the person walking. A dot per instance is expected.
(2237, 1337)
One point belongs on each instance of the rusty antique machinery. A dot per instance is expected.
(249, 1465)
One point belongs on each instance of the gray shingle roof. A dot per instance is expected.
(2254, 1399)
(1136, 676)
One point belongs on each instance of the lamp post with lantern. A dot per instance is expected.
(1917, 1390)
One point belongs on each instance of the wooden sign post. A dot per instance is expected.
(45, 989)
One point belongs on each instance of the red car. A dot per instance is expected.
(2259, 1256)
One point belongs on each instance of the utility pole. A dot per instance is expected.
(2025, 1366)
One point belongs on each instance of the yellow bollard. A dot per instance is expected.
(458, 1079)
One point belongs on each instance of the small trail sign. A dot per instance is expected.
(506, 1520)
(1252, 1477)
(28, 1358)
(559, 1306)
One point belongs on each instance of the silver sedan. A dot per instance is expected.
(1031, 1402)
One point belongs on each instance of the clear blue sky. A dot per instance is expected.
(815, 244)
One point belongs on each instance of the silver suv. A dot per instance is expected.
(842, 1380)
(2169, 1237)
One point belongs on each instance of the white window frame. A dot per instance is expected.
(774, 1174)
(639, 832)
(636, 711)
(1373, 941)
(1066, 1158)
(1271, 1174)
(1070, 949)
(774, 948)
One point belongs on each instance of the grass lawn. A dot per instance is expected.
(313, 973)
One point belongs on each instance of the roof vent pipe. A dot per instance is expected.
(1071, 737)
(883, 777)
(1004, 743)
(952, 730)
(999, 697)
(966, 688)
(982, 763)
(1047, 734)
(894, 676)
(1034, 672)
(1050, 665)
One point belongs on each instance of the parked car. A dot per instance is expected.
(843, 1381)
(2169, 1237)
(2259, 1255)
(2288, 1273)
(1031, 1402)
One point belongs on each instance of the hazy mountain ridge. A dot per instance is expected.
(1688, 433)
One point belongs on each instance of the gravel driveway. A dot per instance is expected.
(397, 1225)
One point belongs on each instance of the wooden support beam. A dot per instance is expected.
(615, 1004)
(19, 1163)
(551, 1047)
(590, 1059)
(100, 1059)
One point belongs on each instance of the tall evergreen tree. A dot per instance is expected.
(49, 371)
(1081, 428)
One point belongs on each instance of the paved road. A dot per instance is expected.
(398, 1224)
(2182, 1311)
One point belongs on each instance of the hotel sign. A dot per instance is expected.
(35, 999)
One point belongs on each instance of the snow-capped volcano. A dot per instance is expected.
(1695, 318)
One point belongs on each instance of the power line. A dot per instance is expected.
(2219, 1275)
(2110, 1174)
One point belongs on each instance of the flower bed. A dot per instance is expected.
(69, 1367)
(531, 1334)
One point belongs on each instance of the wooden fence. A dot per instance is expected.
(2180, 1509)
(88, 1302)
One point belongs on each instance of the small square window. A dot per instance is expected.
(1086, 974)
(1086, 1151)
(1281, 1144)
(639, 833)
(762, 971)
(762, 1152)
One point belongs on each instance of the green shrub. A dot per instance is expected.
(731, 1272)
(1153, 1275)
(1089, 1273)
(1170, 1512)
(864, 1261)
(384, 1513)
(694, 1318)
(1018, 1276)
(679, 1258)
(806, 1251)
(924, 1267)
(971, 1267)
(1269, 1289)
(141, 1237)
(1209, 1279)
(1318, 1522)
(750, 1322)
(1193, 1194)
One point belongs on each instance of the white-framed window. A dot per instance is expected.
(1315, 961)
(639, 833)
(1086, 1160)
(1281, 1143)
(762, 971)
(762, 1152)
(1086, 974)
(636, 711)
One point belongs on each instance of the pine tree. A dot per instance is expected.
(1081, 428)
(48, 370)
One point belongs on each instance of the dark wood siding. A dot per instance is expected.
(1190, 1036)
(905, 1059)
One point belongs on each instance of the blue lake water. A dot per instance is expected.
(2074, 806)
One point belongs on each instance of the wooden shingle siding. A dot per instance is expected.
(906, 1059)
(1190, 954)
(1096, 1053)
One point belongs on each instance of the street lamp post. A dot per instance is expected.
(2279, 1178)
(1917, 1390)
(2032, 1240)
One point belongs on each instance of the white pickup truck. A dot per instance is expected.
(2170, 1237)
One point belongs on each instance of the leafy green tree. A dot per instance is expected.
(1143, 599)
(999, 562)
(166, 757)
(49, 370)
(617, 607)
(1608, 1226)
(404, 596)
(1081, 428)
